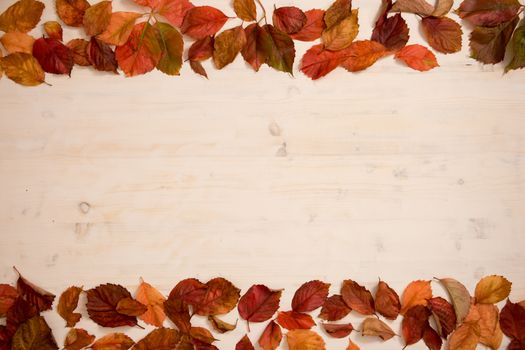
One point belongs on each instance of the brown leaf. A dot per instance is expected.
(54, 30)
(414, 322)
(252, 52)
(295, 320)
(245, 10)
(420, 7)
(313, 28)
(492, 289)
(372, 326)
(18, 313)
(516, 344)
(271, 336)
(392, 32)
(220, 325)
(443, 34)
(178, 312)
(77, 339)
(490, 333)
(159, 339)
(79, 51)
(337, 12)
(431, 338)
(259, 303)
(202, 21)
(17, 42)
(131, 307)
(71, 12)
(227, 46)
(197, 67)
(302, 339)
(488, 12)
(386, 301)
(102, 304)
(219, 297)
(442, 7)
(334, 309)
(512, 320)
(53, 56)
(67, 303)
(113, 341)
(465, 337)
(22, 16)
(202, 334)
(34, 334)
(289, 19)
(97, 18)
(460, 297)
(22, 68)
(338, 330)
(341, 35)
(357, 297)
(201, 49)
(278, 48)
(119, 28)
(444, 315)
(154, 301)
(34, 295)
(244, 344)
(488, 45)
(310, 296)
(101, 56)
(8, 296)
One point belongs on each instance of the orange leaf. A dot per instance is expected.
(313, 28)
(245, 10)
(77, 339)
(154, 301)
(159, 339)
(174, 10)
(361, 55)
(97, 18)
(119, 28)
(54, 30)
(386, 301)
(23, 69)
(490, 331)
(22, 16)
(417, 57)
(202, 21)
(295, 320)
(289, 19)
(352, 345)
(67, 303)
(416, 293)
(492, 289)
(71, 12)
(271, 336)
(113, 341)
(357, 297)
(302, 339)
(334, 308)
(465, 337)
(18, 42)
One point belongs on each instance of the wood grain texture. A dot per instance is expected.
(265, 177)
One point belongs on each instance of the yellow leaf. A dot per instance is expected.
(22, 16)
(416, 293)
(245, 9)
(341, 35)
(113, 341)
(492, 289)
(154, 301)
(23, 69)
(119, 28)
(352, 345)
(302, 339)
(97, 17)
(465, 337)
(18, 42)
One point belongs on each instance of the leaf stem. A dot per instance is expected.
(263, 10)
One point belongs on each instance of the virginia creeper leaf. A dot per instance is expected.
(443, 34)
(313, 28)
(518, 50)
(253, 52)
(465, 337)
(227, 46)
(119, 29)
(174, 10)
(341, 35)
(172, 47)
(338, 11)
(101, 56)
(318, 61)
(245, 10)
(488, 12)
(278, 48)
(392, 31)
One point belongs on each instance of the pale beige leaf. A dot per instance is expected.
(17, 42)
(375, 327)
(460, 297)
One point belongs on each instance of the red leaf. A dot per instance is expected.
(244, 344)
(178, 312)
(53, 56)
(271, 336)
(101, 56)
(20, 312)
(259, 303)
(512, 320)
(202, 21)
(516, 344)
(289, 19)
(219, 297)
(295, 320)
(443, 34)
(387, 301)
(174, 10)
(338, 330)
(102, 305)
(313, 28)
(357, 297)
(488, 12)
(318, 62)
(392, 32)
(334, 309)
(431, 338)
(417, 57)
(414, 324)
(8, 295)
(201, 49)
(252, 51)
(444, 315)
(310, 296)
(34, 295)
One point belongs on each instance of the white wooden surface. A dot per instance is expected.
(264, 177)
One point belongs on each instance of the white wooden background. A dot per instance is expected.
(265, 178)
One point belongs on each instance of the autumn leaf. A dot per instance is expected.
(420, 7)
(392, 31)
(295, 320)
(67, 303)
(492, 289)
(488, 44)
(54, 30)
(487, 318)
(271, 336)
(119, 29)
(252, 52)
(34, 295)
(245, 10)
(34, 334)
(357, 297)
(17, 42)
(459, 295)
(178, 312)
(414, 322)
(244, 344)
(53, 56)
(431, 338)
(159, 339)
(372, 326)
(516, 344)
(130, 307)
(443, 34)
(220, 297)
(259, 303)
(359, 56)
(22, 68)
(444, 315)
(419, 58)
(278, 48)
(313, 28)
(310, 296)
(8, 295)
(465, 337)
(113, 341)
(488, 12)
(220, 325)
(512, 320)
(18, 313)
(352, 345)
(77, 339)
(386, 300)
(338, 11)
(197, 67)
(202, 334)
(318, 62)
(227, 46)
(334, 308)
(22, 16)
(201, 21)
(302, 339)
(97, 18)
(289, 19)
(201, 50)
(172, 47)
(71, 12)
(101, 56)
(338, 330)
(518, 50)
(142, 52)
(341, 35)
(442, 7)
(154, 301)
(102, 304)
(174, 10)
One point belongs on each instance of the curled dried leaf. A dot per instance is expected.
(460, 297)
(77, 339)
(41, 299)
(220, 325)
(67, 303)
(372, 326)
(338, 330)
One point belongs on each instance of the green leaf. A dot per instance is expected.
(488, 44)
(34, 334)
(278, 47)
(518, 50)
(172, 46)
